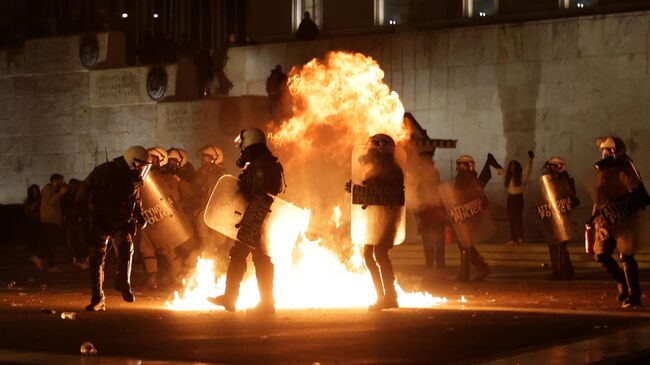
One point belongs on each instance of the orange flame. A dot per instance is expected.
(338, 103)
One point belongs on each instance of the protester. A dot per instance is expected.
(52, 217)
(307, 30)
(32, 234)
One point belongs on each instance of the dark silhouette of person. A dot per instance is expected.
(307, 30)
(276, 85)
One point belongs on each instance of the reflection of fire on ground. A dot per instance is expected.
(337, 103)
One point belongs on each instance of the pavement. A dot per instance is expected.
(515, 317)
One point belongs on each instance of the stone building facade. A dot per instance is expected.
(552, 86)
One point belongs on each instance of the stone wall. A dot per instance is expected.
(551, 86)
(67, 119)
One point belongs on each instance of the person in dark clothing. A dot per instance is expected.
(73, 229)
(307, 30)
(203, 61)
(616, 216)
(109, 196)
(385, 174)
(276, 88)
(471, 186)
(429, 214)
(262, 174)
(558, 201)
(52, 217)
(32, 206)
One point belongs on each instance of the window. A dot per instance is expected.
(480, 8)
(387, 12)
(314, 7)
(577, 4)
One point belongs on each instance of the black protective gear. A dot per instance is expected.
(631, 270)
(124, 245)
(96, 305)
(264, 173)
(381, 270)
(611, 266)
(264, 271)
(265, 274)
(262, 309)
(554, 253)
(223, 301)
(463, 276)
(479, 263)
(564, 262)
(97, 260)
(110, 194)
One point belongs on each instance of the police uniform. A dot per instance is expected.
(620, 195)
(262, 174)
(111, 196)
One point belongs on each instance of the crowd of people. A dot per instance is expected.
(115, 207)
(614, 224)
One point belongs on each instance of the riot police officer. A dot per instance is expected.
(558, 201)
(384, 172)
(262, 174)
(619, 197)
(205, 180)
(110, 195)
(470, 187)
(160, 194)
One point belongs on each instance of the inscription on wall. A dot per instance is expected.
(52, 54)
(120, 86)
(178, 118)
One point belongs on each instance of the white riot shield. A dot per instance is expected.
(167, 227)
(267, 223)
(378, 216)
(556, 205)
(466, 208)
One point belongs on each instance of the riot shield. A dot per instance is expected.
(167, 227)
(617, 191)
(378, 216)
(266, 223)
(466, 208)
(556, 205)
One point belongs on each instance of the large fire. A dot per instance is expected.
(338, 103)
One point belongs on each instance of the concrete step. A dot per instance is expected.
(525, 255)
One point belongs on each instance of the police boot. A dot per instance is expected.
(265, 273)
(123, 279)
(565, 265)
(174, 267)
(479, 262)
(464, 266)
(390, 299)
(631, 269)
(96, 270)
(379, 290)
(611, 266)
(553, 251)
(234, 276)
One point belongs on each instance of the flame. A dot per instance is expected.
(336, 217)
(337, 103)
